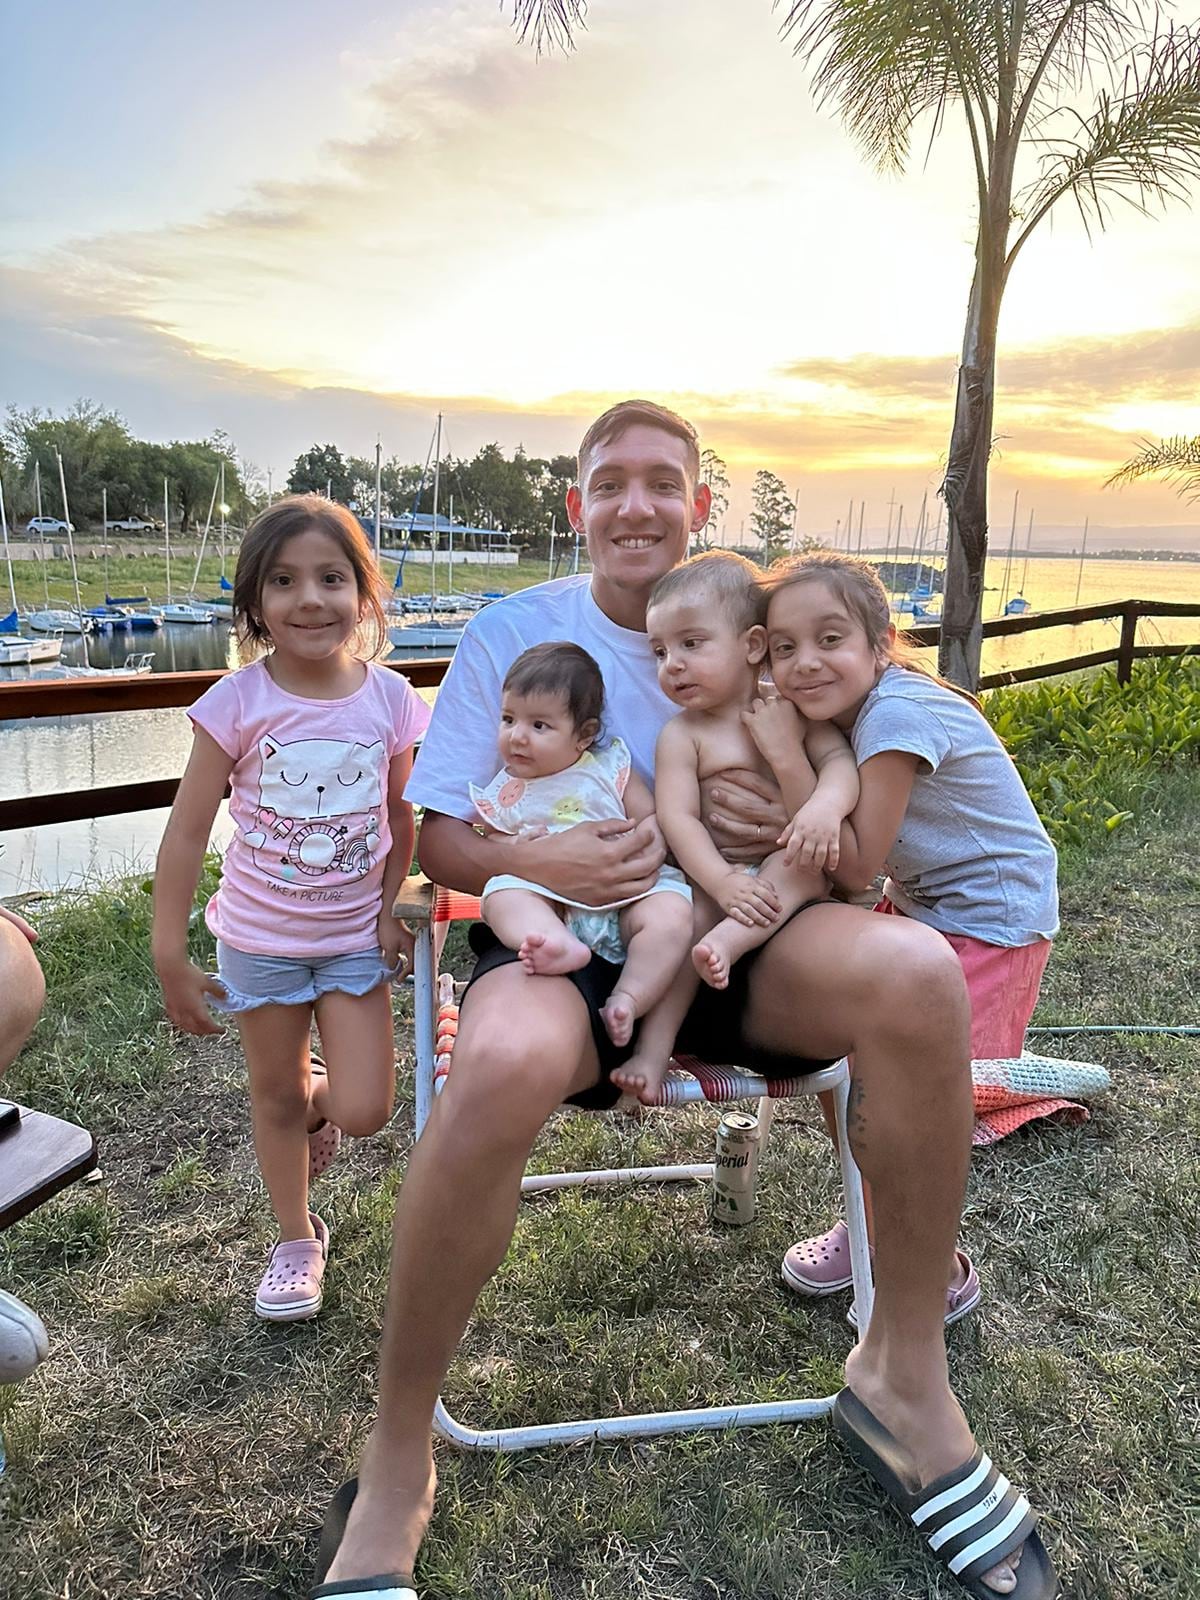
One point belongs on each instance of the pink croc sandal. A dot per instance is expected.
(820, 1265)
(290, 1290)
(324, 1141)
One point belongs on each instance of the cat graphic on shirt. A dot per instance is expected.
(317, 823)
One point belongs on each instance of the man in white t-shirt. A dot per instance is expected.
(837, 981)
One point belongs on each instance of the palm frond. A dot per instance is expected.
(1140, 145)
(551, 24)
(881, 64)
(1177, 460)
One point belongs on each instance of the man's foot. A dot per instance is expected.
(388, 1519)
(712, 963)
(642, 1076)
(552, 954)
(619, 1016)
(937, 1437)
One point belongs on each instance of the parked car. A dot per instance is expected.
(133, 525)
(45, 525)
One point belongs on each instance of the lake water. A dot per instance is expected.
(44, 756)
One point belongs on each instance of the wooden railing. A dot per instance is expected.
(166, 690)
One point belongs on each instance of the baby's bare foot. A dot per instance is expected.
(619, 1016)
(642, 1076)
(552, 954)
(712, 963)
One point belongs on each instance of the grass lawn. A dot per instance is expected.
(175, 1446)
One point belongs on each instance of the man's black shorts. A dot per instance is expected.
(712, 1029)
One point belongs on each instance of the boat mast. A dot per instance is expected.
(1028, 544)
(1082, 552)
(104, 520)
(204, 536)
(12, 587)
(37, 490)
(1012, 540)
(437, 466)
(378, 494)
(224, 513)
(167, 536)
(62, 483)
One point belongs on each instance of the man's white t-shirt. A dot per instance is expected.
(460, 745)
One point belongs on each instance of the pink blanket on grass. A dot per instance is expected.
(1009, 1094)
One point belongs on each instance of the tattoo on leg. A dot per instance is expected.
(856, 1120)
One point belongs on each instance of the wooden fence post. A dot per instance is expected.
(1129, 621)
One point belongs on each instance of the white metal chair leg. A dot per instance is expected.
(766, 1120)
(646, 1425)
(856, 1210)
(424, 1023)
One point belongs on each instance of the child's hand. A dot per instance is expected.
(813, 837)
(751, 901)
(776, 727)
(396, 942)
(184, 987)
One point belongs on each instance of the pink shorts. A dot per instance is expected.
(1003, 983)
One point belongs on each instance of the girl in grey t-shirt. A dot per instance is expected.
(942, 809)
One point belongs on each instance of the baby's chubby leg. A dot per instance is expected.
(531, 925)
(657, 931)
(730, 939)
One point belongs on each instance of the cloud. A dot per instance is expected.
(1152, 363)
(56, 345)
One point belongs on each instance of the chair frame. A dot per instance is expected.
(428, 910)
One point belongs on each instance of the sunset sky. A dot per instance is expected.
(302, 222)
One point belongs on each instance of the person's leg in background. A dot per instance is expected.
(23, 1341)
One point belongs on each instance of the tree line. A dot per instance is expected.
(99, 455)
(521, 494)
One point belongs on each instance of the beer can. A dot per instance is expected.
(736, 1169)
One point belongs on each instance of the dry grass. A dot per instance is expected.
(175, 1446)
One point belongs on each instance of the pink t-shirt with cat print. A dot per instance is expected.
(303, 875)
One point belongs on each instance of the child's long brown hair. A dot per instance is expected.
(858, 586)
(282, 520)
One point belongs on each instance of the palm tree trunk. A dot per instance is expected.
(966, 481)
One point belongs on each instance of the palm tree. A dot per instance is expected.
(1177, 460)
(1018, 69)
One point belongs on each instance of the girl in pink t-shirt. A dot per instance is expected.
(315, 744)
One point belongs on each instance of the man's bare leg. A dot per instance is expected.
(529, 924)
(838, 981)
(729, 940)
(454, 1220)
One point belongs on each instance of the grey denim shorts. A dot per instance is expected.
(251, 981)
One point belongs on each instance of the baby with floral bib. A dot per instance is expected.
(555, 776)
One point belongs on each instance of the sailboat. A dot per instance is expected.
(172, 610)
(222, 606)
(1018, 605)
(135, 663)
(431, 635)
(15, 648)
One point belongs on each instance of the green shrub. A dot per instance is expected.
(1089, 751)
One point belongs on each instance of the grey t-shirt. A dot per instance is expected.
(971, 856)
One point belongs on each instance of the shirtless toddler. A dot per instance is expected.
(704, 628)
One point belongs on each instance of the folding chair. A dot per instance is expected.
(429, 909)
